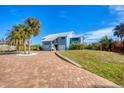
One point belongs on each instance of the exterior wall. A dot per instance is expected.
(67, 42)
(46, 46)
(82, 39)
(61, 43)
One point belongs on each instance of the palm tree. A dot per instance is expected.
(14, 37)
(106, 43)
(18, 36)
(33, 29)
(119, 31)
(24, 35)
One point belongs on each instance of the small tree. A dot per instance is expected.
(106, 43)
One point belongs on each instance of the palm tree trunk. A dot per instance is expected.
(29, 45)
(16, 42)
(24, 47)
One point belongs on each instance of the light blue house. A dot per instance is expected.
(60, 41)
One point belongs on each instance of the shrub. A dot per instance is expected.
(89, 46)
(76, 46)
(94, 46)
(105, 43)
(118, 46)
(33, 47)
(36, 47)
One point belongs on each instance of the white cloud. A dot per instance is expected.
(93, 36)
(117, 10)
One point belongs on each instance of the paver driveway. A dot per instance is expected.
(45, 70)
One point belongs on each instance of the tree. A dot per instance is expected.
(33, 29)
(106, 43)
(17, 36)
(22, 33)
(119, 31)
(14, 37)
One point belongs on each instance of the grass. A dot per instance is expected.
(105, 64)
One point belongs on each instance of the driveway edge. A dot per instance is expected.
(67, 59)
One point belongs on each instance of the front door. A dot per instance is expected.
(56, 46)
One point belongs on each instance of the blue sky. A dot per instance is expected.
(92, 21)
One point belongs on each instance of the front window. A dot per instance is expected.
(74, 40)
(62, 37)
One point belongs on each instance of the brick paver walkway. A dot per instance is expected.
(45, 70)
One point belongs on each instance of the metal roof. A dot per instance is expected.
(52, 37)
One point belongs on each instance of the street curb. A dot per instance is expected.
(67, 59)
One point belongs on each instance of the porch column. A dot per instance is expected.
(51, 45)
(82, 39)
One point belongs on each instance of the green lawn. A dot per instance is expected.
(105, 64)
